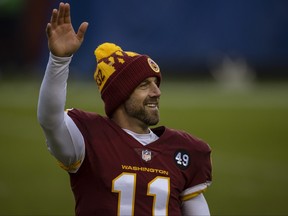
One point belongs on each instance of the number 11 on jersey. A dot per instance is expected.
(125, 186)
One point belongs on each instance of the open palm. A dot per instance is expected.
(62, 39)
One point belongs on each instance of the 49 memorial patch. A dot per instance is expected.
(182, 159)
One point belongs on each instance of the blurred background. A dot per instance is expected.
(224, 65)
(186, 37)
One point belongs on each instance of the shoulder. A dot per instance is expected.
(81, 117)
(84, 115)
(187, 139)
(89, 122)
(77, 113)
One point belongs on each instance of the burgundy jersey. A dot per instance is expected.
(120, 176)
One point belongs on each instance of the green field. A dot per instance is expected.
(246, 129)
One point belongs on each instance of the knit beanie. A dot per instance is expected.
(119, 72)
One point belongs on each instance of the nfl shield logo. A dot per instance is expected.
(146, 155)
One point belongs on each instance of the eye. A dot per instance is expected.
(157, 82)
(143, 84)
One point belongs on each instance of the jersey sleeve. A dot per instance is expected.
(201, 170)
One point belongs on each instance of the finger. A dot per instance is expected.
(53, 19)
(60, 18)
(82, 30)
(67, 17)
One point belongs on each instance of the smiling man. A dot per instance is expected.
(118, 164)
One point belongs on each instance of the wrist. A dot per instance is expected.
(60, 59)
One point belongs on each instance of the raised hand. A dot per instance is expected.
(62, 39)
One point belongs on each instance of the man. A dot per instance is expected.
(117, 164)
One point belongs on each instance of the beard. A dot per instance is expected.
(142, 112)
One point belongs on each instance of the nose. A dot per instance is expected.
(155, 90)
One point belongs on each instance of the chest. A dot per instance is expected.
(132, 176)
(126, 166)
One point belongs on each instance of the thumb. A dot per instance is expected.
(48, 30)
(82, 30)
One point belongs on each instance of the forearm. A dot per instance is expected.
(52, 96)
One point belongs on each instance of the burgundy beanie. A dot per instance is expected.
(119, 72)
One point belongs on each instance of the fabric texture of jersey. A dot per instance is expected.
(120, 176)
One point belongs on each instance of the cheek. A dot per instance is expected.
(138, 97)
(133, 103)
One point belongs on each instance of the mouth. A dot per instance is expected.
(153, 105)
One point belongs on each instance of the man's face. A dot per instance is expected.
(143, 103)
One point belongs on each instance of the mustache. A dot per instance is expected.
(153, 100)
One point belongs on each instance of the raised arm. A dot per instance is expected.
(64, 140)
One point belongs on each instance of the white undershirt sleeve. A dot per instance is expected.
(196, 206)
(64, 140)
